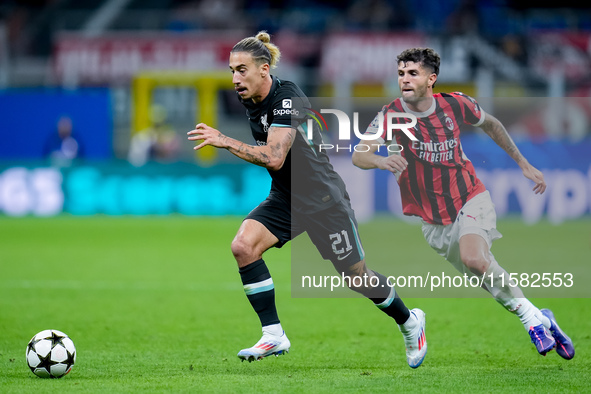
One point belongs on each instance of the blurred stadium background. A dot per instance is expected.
(129, 78)
(113, 232)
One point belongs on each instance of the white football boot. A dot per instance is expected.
(268, 345)
(415, 341)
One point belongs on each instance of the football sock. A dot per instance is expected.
(529, 315)
(408, 326)
(260, 291)
(392, 305)
(274, 329)
(512, 298)
(545, 321)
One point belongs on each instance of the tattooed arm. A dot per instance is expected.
(271, 156)
(495, 129)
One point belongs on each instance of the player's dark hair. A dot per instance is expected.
(426, 57)
(260, 48)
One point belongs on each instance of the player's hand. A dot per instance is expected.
(209, 135)
(394, 163)
(532, 173)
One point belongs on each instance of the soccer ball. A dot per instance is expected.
(51, 354)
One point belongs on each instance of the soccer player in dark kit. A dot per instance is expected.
(439, 184)
(306, 195)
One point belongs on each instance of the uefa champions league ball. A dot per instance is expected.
(51, 354)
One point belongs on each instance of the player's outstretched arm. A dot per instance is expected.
(495, 129)
(369, 159)
(271, 156)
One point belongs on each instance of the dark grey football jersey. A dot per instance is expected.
(307, 178)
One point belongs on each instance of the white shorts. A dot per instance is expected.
(477, 216)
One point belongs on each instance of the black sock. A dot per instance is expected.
(260, 291)
(391, 305)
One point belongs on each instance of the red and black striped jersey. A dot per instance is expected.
(439, 178)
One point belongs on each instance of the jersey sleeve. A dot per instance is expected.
(473, 114)
(374, 127)
(288, 110)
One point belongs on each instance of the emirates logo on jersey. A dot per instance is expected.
(435, 152)
(449, 123)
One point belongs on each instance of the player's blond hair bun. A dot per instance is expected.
(260, 48)
(263, 36)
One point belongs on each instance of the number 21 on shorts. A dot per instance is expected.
(341, 244)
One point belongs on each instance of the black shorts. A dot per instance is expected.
(333, 231)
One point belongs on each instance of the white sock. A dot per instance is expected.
(512, 298)
(409, 325)
(545, 321)
(531, 316)
(273, 329)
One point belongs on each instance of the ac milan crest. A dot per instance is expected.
(449, 123)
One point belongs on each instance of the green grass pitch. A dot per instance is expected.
(155, 304)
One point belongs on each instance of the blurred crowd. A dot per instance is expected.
(30, 24)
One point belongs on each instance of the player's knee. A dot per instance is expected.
(477, 264)
(241, 249)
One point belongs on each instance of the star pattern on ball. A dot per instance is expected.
(70, 360)
(31, 345)
(56, 339)
(46, 362)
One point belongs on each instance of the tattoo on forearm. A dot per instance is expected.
(252, 155)
(495, 129)
(278, 149)
(261, 155)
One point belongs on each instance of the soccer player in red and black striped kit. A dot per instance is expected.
(306, 195)
(439, 184)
